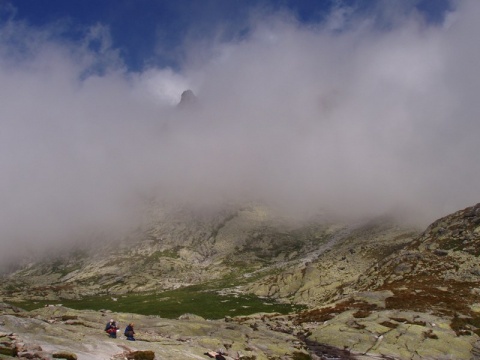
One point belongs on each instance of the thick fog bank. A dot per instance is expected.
(349, 119)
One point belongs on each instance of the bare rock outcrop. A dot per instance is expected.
(43, 334)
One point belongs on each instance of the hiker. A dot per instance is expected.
(129, 332)
(111, 328)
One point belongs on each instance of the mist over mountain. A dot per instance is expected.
(343, 119)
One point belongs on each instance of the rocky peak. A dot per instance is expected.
(187, 99)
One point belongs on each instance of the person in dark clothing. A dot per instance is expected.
(129, 332)
(111, 328)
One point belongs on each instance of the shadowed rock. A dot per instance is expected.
(187, 100)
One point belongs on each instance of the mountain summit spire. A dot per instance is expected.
(187, 100)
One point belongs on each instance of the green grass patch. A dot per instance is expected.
(171, 304)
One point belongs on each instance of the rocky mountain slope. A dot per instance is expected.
(373, 289)
(419, 302)
(253, 249)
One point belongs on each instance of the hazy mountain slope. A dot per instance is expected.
(324, 273)
(260, 251)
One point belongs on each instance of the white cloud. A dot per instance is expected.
(359, 122)
(161, 85)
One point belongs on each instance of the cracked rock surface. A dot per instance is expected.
(43, 333)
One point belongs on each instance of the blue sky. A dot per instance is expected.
(154, 32)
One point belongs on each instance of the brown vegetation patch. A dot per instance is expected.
(141, 355)
(300, 356)
(389, 324)
(466, 325)
(324, 314)
(422, 294)
(316, 315)
(64, 355)
(360, 314)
